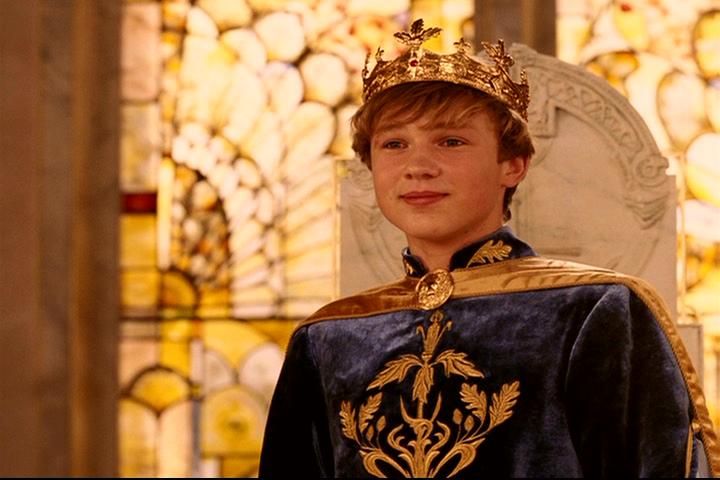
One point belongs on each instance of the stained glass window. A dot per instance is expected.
(664, 55)
(235, 123)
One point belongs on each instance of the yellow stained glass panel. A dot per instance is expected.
(174, 13)
(231, 338)
(712, 100)
(227, 14)
(177, 330)
(301, 307)
(300, 215)
(138, 430)
(159, 388)
(140, 147)
(175, 442)
(137, 240)
(140, 289)
(310, 264)
(703, 168)
(174, 346)
(177, 291)
(175, 355)
(315, 233)
(219, 93)
(232, 423)
(136, 355)
(707, 43)
(260, 370)
(242, 467)
(631, 23)
(217, 373)
(704, 297)
(140, 51)
(166, 174)
(615, 67)
(214, 304)
(279, 331)
(318, 287)
(681, 105)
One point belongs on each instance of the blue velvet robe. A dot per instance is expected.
(531, 368)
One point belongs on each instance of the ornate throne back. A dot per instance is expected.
(596, 193)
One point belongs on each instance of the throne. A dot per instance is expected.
(597, 191)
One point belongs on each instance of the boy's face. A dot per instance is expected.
(441, 185)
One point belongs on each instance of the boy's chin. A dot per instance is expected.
(430, 235)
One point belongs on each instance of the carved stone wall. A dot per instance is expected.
(597, 191)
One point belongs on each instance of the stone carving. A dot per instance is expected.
(595, 102)
(370, 245)
(596, 193)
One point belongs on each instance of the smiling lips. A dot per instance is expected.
(423, 197)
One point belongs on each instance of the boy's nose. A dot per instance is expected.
(421, 165)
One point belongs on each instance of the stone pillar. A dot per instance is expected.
(59, 127)
(530, 22)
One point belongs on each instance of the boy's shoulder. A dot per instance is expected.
(539, 273)
(384, 298)
(517, 275)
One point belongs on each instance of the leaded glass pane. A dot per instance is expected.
(703, 170)
(140, 290)
(137, 427)
(174, 445)
(232, 423)
(135, 355)
(140, 147)
(137, 241)
(140, 51)
(159, 388)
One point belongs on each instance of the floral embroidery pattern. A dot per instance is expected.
(490, 252)
(423, 445)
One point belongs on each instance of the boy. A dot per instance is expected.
(485, 359)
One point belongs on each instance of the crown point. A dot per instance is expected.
(379, 54)
(490, 75)
(417, 26)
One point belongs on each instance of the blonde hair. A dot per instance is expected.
(443, 103)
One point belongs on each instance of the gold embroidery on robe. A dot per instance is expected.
(423, 445)
(527, 274)
(409, 269)
(489, 253)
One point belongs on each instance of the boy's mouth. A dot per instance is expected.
(424, 197)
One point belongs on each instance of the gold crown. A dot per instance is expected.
(419, 65)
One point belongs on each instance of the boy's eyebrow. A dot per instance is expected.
(430, 126)
(389, 126)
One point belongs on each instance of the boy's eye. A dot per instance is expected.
(393, 144)
(452, 142)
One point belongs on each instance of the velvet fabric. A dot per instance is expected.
(564, 382)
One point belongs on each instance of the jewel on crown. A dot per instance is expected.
(417, 64)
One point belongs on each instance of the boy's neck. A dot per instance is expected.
(433, 260)
(438, 255)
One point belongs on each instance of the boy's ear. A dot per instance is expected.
(514, 171)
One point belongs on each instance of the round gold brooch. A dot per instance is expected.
(434, 289)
